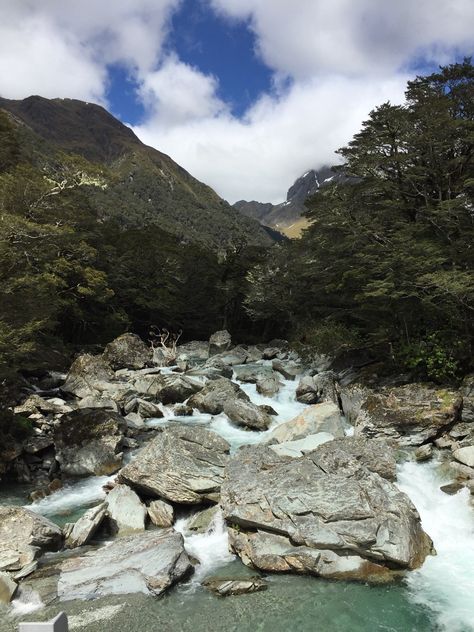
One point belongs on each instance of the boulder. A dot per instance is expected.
(196, 351)
(128, 351)
(98, 401)
(352, 396)
(467, 391)
(298, 448)
(224, 587)
(88, 442)
(201, 522)
(269, 385)
(270, 353)
(252, 374)
(7, 588)
(87, 376)
(465, 455)
(325, 514)
(134, 421)
(148, 410)
(314, 419)
(247, 414)
(146, 563)
(408, 415)
(317, 388)
(289, 369)
(183, 464)
(219, 342)
(169, 388)
(24, 536)
(161, 513)
(212, 398)
(85, 528)
(125, 510)
(424, 452)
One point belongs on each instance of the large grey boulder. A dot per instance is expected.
(87, 376)
(7, 588)
(82, 531)
(288, 368)
(183, 465)
(352, 396)
(269, 385)
(213, 397)
(219, 342)
(247, 414)
(325, 514)
(313, 389)
(169, 388)
(88, 442)
(24, 536)
(146, 563)
(233, 357)
(300, 447)
(408, 415)
(128, 351)
(125, 510)
(314, 419)
(465, 455)
(252, 373)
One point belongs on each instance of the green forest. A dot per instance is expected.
(386, 263)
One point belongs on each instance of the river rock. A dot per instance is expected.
(314, 419)
(408, 415)
(128, 351)
(465, 455)
(7, 588)
(201, 522)
(134, 421)
(169, 388)
(24, 536)
(85, 528)
(148, 410)
(247, 414)
(352, 396)
(219, 342)
(161, 513)
(125, 510)
(298, 448)
(233, 357)
(317, 388)
(148, 563)
(251, 374)
(87, 376)
(326, 514)
(195, 350)
(213, 397)
(183, 464)
(224, 587)
(88, 442)
(289, 369)
(269, 385)
(424, 452)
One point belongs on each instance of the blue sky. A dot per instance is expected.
(245, 94)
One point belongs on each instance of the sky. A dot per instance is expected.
(245, 94)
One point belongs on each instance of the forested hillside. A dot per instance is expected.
(388, 259)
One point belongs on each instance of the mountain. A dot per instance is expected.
(287, 216)
(142, 186)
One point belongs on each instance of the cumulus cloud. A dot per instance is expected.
(56, 49)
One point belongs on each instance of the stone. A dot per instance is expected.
(201, 522)
(128, 351)
(298, 448)
(195, 350)
(88, 442)
(125, 510)
(251, 374)
(85, 528)
(182, 410)
(134, 421)
(231, 358)
(409, 415)
(98, 401)
(289, 369)
(213, 397)
(270, 353)
(317, 388)
(183, 465)
(24, 536)
(352, 396)
(161, 513)
(269, 385)
(424, 452)
(7, 588)
(247, 414)
(465, 455)
(169, 388)
(224, 587)
(451, 488)
(314, 419)
(219, 342)
(325, 514)
(148, 563)
(148, 410)
(87, 375)
(467, 391)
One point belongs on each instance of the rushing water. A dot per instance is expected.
(438, 597)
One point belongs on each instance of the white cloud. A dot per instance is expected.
(57, 48)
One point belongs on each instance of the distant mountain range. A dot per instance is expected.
(143, 185)
(287, 216)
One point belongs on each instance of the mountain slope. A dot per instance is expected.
(287, 216)
(143, 185)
